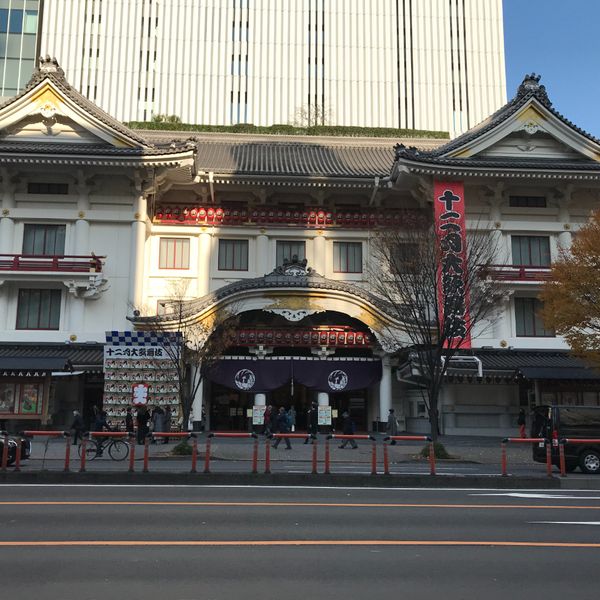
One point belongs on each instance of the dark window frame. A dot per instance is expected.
(526, 242)
(345, 250)
(280, 255)
(44, 230)
(24, 299)
(519, 201)
(183, 242)
(528, 323)
(46, 188)
(228, 248)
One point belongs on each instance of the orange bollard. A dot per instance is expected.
(386, 460)
(18, 456)
(194, 453)
(314, 456)
(255, 456)
(268, 456)
(67, 452)
(563, 466)
(84, 441)
(327, 457)
(374, 458)
(548, 459)
(207, 455)
(431, 458)
(5, 451)
(146, 454)
(132, 441)
(503, 448)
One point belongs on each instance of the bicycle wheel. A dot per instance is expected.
(118, 450)
(91, 449)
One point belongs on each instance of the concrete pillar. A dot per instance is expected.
(3, 307)
(204, 254)
(323, 399)
(136, 263)
(262, 255)
(564, 240)
(75, 312)
(7, 202)
(7, 234)
(319, 262)
(385, 389)
(81, 245)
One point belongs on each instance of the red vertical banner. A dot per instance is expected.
(453, 294)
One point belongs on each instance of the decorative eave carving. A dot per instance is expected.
(90, 289)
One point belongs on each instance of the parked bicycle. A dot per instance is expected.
(117, 449)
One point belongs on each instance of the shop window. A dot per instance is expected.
(528, 320)
(174, 253)
(347, 257)
(527, 201)
(44, 240)
(37, 187)
(38, 309)
(21, 398)
(531, 250)
(233, 255)
(285, 251)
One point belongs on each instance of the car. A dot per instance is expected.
(13, 443)
(556, 423)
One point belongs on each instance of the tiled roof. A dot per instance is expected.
(295, 159)
(79, 355)
(85, 149)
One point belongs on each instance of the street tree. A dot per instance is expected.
(406, 273)
(571, 298)
(312, 115)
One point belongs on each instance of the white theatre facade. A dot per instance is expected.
(99, 221)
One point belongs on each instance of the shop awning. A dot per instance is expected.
(554, 373)
(27, 365)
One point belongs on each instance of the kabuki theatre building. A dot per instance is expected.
(101, 225)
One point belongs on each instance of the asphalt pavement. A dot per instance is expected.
(213, 543)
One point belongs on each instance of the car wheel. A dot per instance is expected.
(589, 461)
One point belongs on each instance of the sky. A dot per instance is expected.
(559, 39)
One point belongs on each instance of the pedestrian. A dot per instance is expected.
(292, 418)
(77, 426)
(391, 427)
(142, 418)
(283, 425)
(167, 422)
(268, 418)
(348, 428)
(521, 423)
(158, 421)
(128, 420)
(312, 419)
(101, 424)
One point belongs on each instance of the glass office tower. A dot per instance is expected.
(19, 40)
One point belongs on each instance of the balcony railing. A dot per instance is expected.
(516, 272)
(58, 263)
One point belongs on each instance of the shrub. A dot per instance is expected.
(438, 449)
(182, 449)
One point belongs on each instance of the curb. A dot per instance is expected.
(283, 479)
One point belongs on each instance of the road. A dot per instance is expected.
(212, 543)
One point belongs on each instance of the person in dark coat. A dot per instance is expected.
(142, 417)
(283, 425)
(77, 426)
(167, 422)
(348, 429)
(391, 427)
(312, 418)
(268, 420)
(100, 423)
(521, 420)
(128, 421)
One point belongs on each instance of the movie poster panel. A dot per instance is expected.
(453, 295)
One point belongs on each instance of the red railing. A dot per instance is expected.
(351, 437)
(58, 263)
(526, 441)
(516, 272)
(408, 438)
(561, 450)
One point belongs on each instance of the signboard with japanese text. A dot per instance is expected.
(258, 415)
(139, 370)
(453, 297)
(324, 415)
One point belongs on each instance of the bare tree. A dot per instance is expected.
(192, 346)
(406, 273)
(312, 115)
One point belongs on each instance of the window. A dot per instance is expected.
(38, 309)
(286, 251)
(174, 253)
(527, 201)
(35, 187)
(347, 257)
(531, 251)
(44, 240)
(21, 398)
(233, 255)
(528, 321)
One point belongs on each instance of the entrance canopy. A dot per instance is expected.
(259, 375)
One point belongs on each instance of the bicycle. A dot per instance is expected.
(117, 449)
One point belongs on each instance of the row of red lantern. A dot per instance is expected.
(309, 217)
(302, 337)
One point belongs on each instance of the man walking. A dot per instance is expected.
(312, 418)
(392, 426)
(283, 425)
(78, 427)
(348, 429)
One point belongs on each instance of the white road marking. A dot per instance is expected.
(566, 522)
(541, 495)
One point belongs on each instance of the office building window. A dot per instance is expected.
(44, 240)
(174, 253)
(531, 250)
(233, 255)
(347, 257)
(38, 309)
(527, 201)
(528, 321)
(286, 251)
